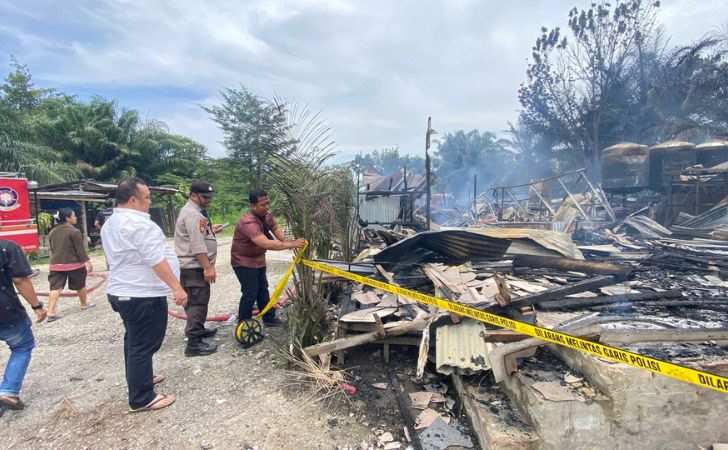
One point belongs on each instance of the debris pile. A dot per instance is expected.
(635, 284)
(649, 276)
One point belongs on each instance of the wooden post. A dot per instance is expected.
(84, 225)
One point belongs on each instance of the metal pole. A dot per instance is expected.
(475, 193)
(357, 193)
(429, 132)
(406, 212)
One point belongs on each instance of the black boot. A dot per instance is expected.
(208, 332)
(197, 347)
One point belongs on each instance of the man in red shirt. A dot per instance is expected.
(254, 235)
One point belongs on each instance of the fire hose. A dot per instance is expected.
(100, 275)
(225, 317)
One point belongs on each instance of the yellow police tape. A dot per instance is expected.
(697, 377)
(282, 282)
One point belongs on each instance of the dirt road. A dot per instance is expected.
(235, 399)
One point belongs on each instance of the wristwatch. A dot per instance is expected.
(38, 306)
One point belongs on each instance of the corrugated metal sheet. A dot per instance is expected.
(461, 348)
(380, 209)
(449, 245)
(459, 244)
(554, 241)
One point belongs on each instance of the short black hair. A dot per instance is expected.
(128, 188)
(255, 195)
(64, 214)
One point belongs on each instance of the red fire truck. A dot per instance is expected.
(16, 221)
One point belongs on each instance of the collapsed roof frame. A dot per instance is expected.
(545, 209)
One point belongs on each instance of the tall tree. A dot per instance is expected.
(19, 92)
(253, 129)
(576, 88)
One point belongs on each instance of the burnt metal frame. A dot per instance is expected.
(697, 186)
(599, 198)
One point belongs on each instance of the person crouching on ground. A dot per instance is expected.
(196, 247)
(69, 262)
(252, 238)
(14, 321)
(143, 271)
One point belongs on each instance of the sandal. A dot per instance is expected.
(8, 403)
(158, 379)
(90, 305)
(52, 318)
(159, 402)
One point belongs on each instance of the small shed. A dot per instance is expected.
(87, 197)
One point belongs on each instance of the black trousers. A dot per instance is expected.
(254, 288)
(198, 300)
(145, 322)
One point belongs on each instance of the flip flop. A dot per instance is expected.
(158, 379)
(90, 305)
(159, 402)
(17, 405)
(52, 318)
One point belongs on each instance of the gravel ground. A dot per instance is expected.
(235, 399)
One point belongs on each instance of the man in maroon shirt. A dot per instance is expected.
(254, 234)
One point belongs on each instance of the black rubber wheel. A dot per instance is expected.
(248, 333)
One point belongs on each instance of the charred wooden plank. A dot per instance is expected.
(631, 336)
(365, 338)
(577, 265)
(558, 293)
(607, 299)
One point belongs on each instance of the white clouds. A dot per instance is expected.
(376, 69)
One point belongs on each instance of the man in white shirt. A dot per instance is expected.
(143, 271)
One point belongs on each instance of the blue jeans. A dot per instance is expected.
(19, 338)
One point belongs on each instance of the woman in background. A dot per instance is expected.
(69, 262)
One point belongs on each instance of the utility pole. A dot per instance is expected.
(429, 133)
(475, 194)
(357, 167)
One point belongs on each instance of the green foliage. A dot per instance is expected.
(19, 92)
(231, 186)
(317, 201)
(53, 137)
(253, 130)
(44, 222)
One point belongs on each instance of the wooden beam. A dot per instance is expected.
(502, 336)
(503, 297)
(365, 338)
(404, 409)
(608, 299)
(560, 292)
(631, 336)
(575, 265)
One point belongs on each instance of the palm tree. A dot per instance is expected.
(318, 203)
(39, 163)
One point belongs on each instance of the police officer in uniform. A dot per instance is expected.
(196, 247)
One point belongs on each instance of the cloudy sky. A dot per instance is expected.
(375, 69)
